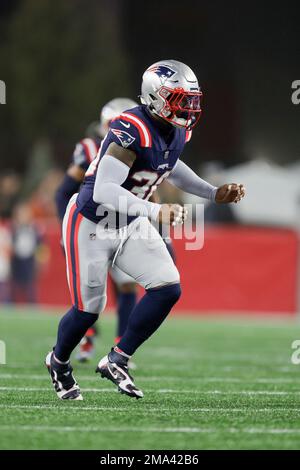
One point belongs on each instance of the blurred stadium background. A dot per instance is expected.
(62, 62)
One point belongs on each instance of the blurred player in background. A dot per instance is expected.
(142, 148)
(85, 151)
(29, 252)
(5, 261)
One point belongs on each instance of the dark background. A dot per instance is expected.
(62, 60)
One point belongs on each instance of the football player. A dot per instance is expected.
(85, 151)
(142, 148)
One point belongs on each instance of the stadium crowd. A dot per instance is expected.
(23, 250)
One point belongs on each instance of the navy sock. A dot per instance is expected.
(148, 315)
(71, 329)
(126, 304)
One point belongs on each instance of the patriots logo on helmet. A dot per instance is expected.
(123, 136)
(163, 71)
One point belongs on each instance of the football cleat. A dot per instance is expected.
(62, 378)
(131, 365)
(119, 375)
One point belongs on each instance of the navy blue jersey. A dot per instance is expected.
(157, 148)
(85, 152)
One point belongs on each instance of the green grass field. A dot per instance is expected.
(211, 383)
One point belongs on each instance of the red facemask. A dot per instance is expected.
(182, 108)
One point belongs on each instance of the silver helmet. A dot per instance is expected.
(170, 90)
(111, 110)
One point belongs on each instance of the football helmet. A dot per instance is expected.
(170, 90)
(111, 110)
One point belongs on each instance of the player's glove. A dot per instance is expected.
(230, 193)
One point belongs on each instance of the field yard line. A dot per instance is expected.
(259, 380)
(177, 367)
(188, 430)
(104, 429)
(145, 410)
(270, 431)
(198, 392)
(229, 392)
(78, 408)
(47, 389)
(155, 378)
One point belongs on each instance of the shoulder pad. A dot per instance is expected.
(131, 127)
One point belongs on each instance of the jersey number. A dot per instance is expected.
(150, 179)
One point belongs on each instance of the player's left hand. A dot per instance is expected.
(230, 193)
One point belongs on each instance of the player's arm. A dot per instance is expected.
(113, 170)
(69, 186)
(183, 177)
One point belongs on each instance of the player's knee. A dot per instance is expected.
(174, 292)
(96, 305)
(170, 292)
(167, 275)
(102, 303)
(93, 316)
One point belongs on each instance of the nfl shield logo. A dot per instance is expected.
(166, 155)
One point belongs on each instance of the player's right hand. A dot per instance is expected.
(172, 214)
(230, 193)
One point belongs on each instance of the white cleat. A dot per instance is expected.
(62, 378)
(119, 375)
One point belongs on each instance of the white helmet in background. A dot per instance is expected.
(170, 90)
(111, 110)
